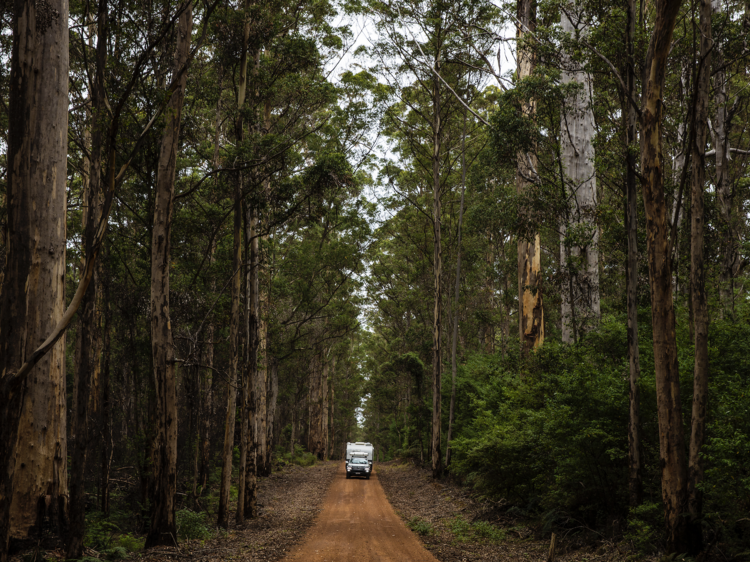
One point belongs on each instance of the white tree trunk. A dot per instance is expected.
(579, 236)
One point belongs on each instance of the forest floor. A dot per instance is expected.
(289, 502)
(315, 514)
(456, 527)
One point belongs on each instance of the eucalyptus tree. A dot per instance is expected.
(420, 56)
(579, 236)
(33, 445)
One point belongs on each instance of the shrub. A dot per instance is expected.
(192, 525)
(130, 543)
(644, 527)
(300, 457)
(99, 532)
(486, 530)
(420, 526)
(460, 528)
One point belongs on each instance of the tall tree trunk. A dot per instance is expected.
(671, 437)
(89, 335)
(106, 421)
(247, 497)
(264, 453)
(454, 340)
(273, 397)
(631, 271)
(698, 281)
(437, 274)
(331, 397)
(33, 446)
(323, 447)
(315, 438)
(208, 400)
(531, 308)
(294, 425)
(721, 126)
(234, 328)
(163, 530)
(580, 304)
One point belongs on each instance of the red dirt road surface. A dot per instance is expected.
(358, 523)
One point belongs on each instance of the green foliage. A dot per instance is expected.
(300, 457)
(100, 532)
(420, 526)
(644, 527)
(486, 530)
(465, 531)
(193, 525)
(130, 543)
(551, 439)
(460, 528)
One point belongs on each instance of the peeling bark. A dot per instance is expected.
(531, 308)
(671, 435)
(33, 446)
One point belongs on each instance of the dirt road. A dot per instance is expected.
(358, 524)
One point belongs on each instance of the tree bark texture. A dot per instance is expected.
(454, 339)
(273, 396)
(247, 498)
(234, 328)
(331, 398)
(721, 127)
(107, 449)
(437, 274)
(635, 487)
(531, 308)
(323, 448)
(671, 435)
(89, 366)
(698, 280)
(314, 432)
(579, 235)
(163, 530)
(207, 381)
(33, 447)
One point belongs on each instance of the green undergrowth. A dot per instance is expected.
(300, 457)
(420, 526)
(193, 525)
(465, 531)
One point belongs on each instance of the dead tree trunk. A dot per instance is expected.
(163, 530)
(579, 253)
(33, 447)
(671, 437)
(531, 309)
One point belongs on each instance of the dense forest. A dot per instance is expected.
(505, 240)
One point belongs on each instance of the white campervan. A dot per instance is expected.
(361, 450)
